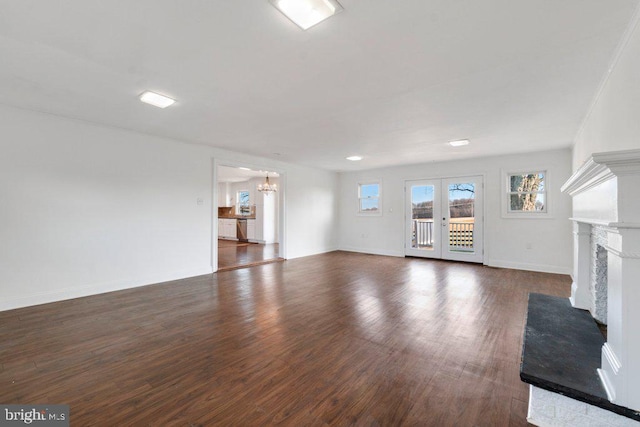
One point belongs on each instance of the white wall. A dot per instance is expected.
(268, 209)
(224, 198)
(275, 211)
(506, 239)
(312, 210)
(613, 123)
(86, 209)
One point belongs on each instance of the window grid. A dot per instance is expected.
(534, 199)
(369, 198)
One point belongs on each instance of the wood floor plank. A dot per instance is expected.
(233, 254)
(333, 339)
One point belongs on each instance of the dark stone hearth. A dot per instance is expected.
(561, 352)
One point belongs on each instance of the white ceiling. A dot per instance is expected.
(392, 81)
(231, 174)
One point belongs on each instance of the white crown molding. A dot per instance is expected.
(600, 168)
(586, 177)
(626, 162)
(605, 224)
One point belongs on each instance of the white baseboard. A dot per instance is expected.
(385, 252)
(492, 263)
(321, 251)
(543, 268)
(100, 288)
(96, 288)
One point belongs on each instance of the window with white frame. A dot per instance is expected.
(369, 198)
(243, 207)
(527, 192)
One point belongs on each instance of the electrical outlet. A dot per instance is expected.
(528, 245)
(199, 201)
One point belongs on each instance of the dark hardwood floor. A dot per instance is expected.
(333, 339)
(233, 254)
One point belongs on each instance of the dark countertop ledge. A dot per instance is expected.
(561, 352)
(236, 217)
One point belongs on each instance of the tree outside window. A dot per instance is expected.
(527, 192)
(243, 207)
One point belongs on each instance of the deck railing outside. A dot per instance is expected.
(460, 234)
(422, 233)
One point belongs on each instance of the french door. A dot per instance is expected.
(444, 218)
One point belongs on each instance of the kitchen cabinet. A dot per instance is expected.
(230, 230)
(251, 229)
(227, 228)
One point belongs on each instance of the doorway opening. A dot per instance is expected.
(444, 218)
(248, 219)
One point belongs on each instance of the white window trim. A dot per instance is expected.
(506, 192)
(369, 213)
(238, 200)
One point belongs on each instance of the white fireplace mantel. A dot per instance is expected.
(606, 193)
(602, 167)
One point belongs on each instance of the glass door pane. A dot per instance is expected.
(423, 229)
(443, 218)
(422, 199)
(461, 202)
(462, 219)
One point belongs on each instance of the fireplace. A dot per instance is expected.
(606, 283)
(599, 278)
(606, 208)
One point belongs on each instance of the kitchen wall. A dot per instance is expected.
(87, 209)
(265, 207)
(528, 244)
(234, 187)
(224, 196)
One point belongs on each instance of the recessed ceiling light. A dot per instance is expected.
(156, 99)
(307, 13)
(459, 143)
(245, 169)
(354, 158)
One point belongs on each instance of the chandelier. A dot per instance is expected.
(267, 188)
